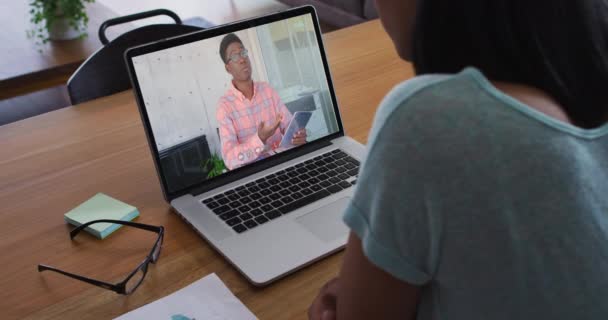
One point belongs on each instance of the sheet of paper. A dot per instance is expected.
(205, 299)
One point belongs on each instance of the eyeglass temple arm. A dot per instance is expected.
(156, 229)
(42, 267)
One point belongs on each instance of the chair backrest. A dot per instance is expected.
(105, 73)
(182, 164)
(304, 103)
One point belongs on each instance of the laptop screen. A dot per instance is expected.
(226, 102)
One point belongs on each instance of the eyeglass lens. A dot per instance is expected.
(156, 252)
(236, 56)
(135, 280)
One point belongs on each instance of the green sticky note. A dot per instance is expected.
(101, 206)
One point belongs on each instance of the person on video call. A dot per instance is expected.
(251, 116)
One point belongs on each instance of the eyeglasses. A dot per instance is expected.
(134, 279)
(236, 56)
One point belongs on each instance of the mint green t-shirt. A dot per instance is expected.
(496, 210)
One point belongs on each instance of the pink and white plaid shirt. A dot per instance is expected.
(239, 119)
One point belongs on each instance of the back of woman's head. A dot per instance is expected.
(558, 46)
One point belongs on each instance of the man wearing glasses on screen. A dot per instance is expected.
(251, 116)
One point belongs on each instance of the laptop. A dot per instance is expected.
(215, 105)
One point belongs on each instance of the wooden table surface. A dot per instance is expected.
(26, 66)
(52, 162)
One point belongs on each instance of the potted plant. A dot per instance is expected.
(214, 166)
(58, 19)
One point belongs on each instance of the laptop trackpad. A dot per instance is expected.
(326, 222)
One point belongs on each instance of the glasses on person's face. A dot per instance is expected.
(235, 57)
(134, 279)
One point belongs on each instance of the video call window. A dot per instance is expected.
(223, 103)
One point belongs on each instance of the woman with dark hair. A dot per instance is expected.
(484, 193)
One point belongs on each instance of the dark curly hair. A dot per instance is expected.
(558, 46)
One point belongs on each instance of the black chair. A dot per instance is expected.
(183, 163)
(303, 103)
(105, 73)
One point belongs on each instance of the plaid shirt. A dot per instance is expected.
(239, 119)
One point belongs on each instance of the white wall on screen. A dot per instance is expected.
(182, 86)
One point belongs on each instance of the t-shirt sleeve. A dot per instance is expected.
(390, 210)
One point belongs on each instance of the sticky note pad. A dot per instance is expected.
(101, 206)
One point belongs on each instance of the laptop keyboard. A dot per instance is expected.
(255, 203)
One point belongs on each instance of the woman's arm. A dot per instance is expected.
(364, 291)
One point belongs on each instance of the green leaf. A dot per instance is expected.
(43, 13)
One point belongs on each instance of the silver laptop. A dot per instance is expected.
(246, 136)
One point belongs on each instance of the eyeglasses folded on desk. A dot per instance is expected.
(133, 279)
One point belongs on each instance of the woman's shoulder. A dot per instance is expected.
(423, 92)
(428, 100)
(402, 93)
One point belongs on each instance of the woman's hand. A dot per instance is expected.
(324, 305)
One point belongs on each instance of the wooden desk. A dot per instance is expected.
(52, 162)
(27, 67)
